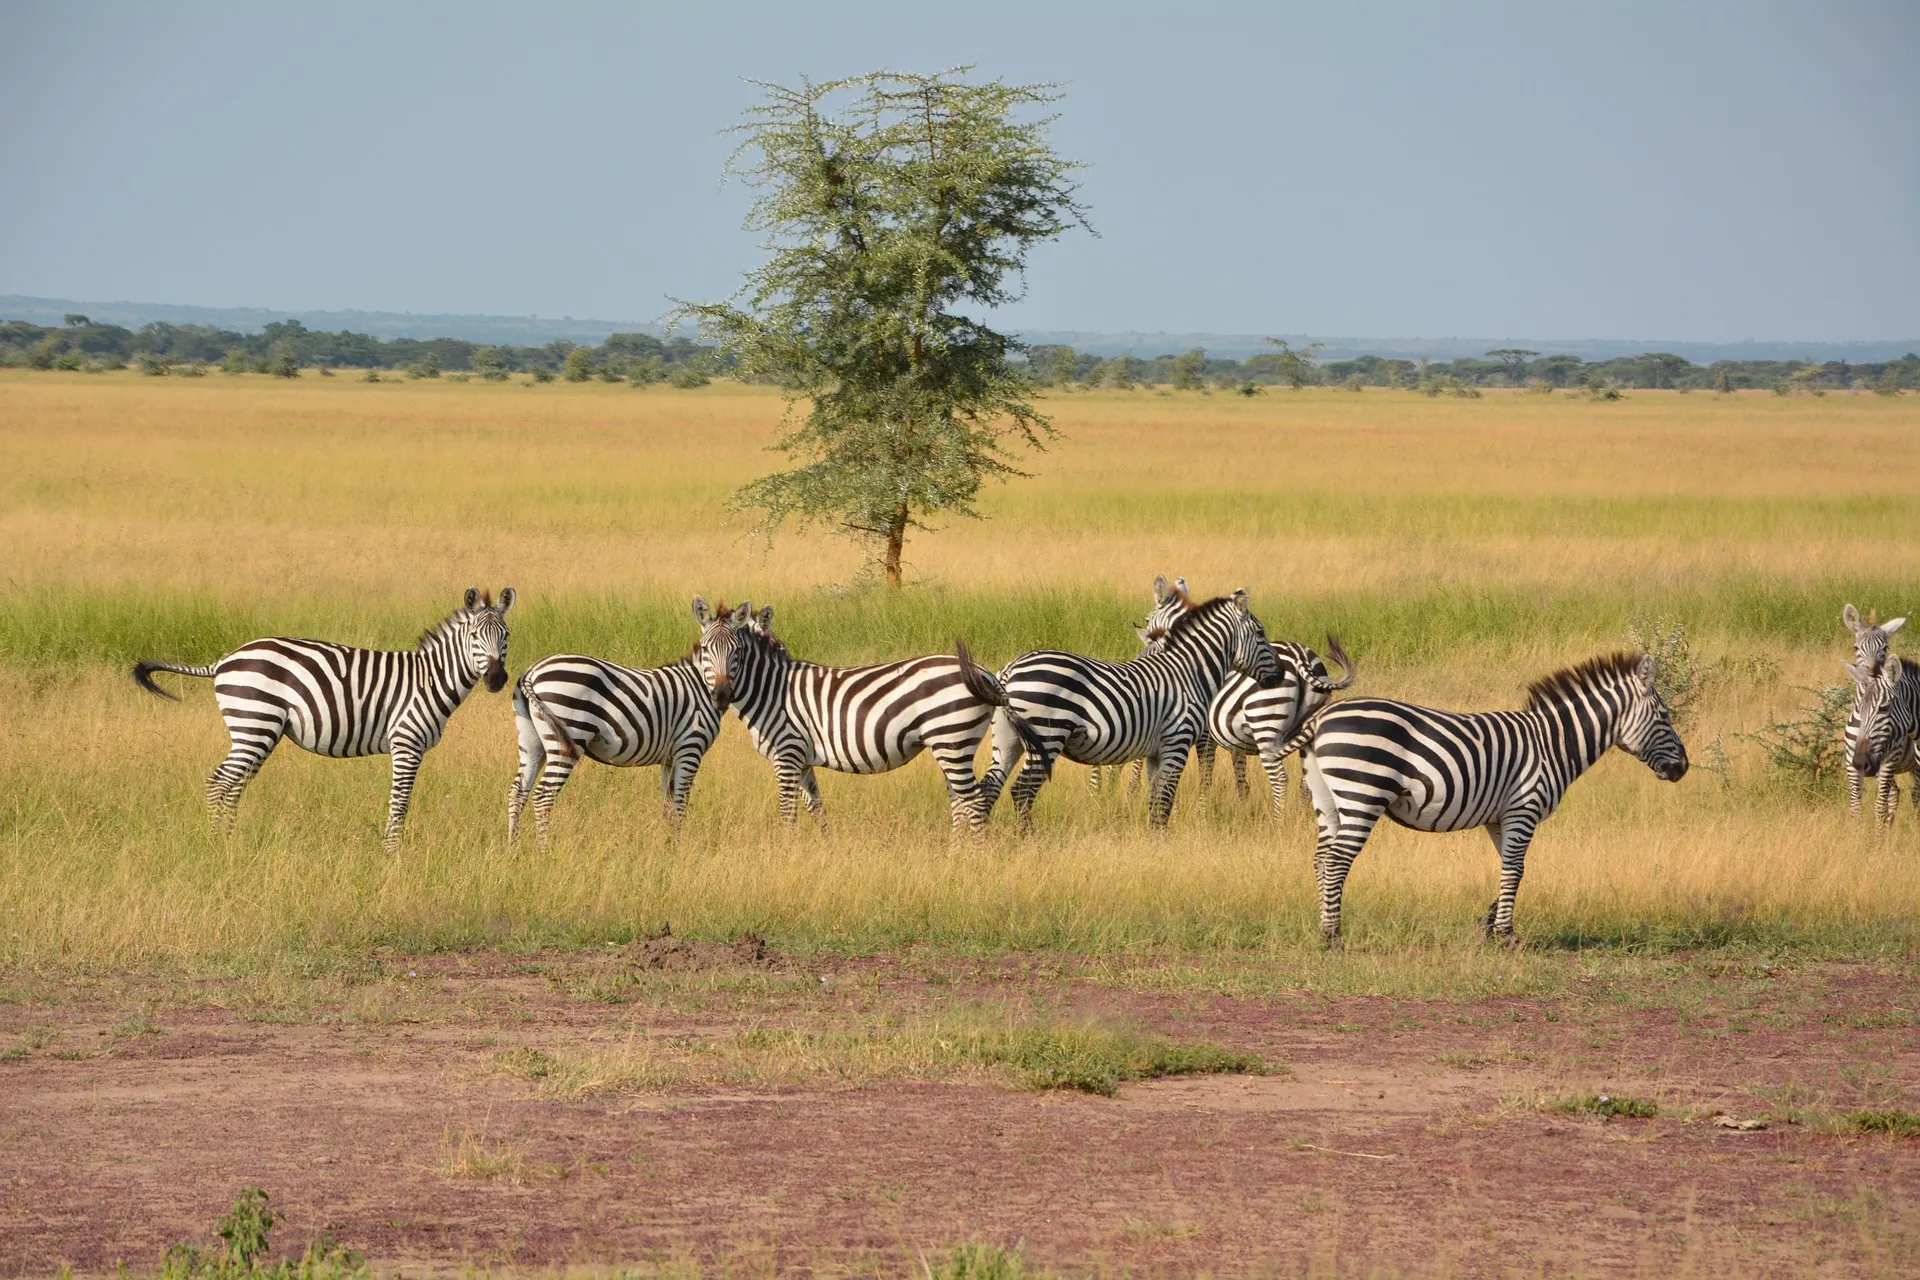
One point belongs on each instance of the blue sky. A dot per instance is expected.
(1695, 171)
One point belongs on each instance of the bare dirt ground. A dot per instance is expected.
(1393, 1136)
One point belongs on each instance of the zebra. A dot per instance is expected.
(1243, 717)
(1503, 770)
(1096, 712)
(336, 700)
(1869, 652)
(568, 706)
(870, 719)
(1887, 709)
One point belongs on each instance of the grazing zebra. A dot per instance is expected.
(335, 700)
(568, 707)
(1243, 717)
(1886, 707)
(1095, 712)
(1869, 651)
(870, 719)
(1502, 770)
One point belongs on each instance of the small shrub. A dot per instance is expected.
(326, 371)
(282, 362)
(1604, 1105)
(1893, 1120)
(543, 375)
(1249, 389)
(1680, 677)
(68, 360)
(153, 366)
(1354, 382)
(458, 377)
(486, 363)
(1806, 750)
(579, 365)
(197, 368)
(1888, 383)
(244, 1233)
(428, 368)
(43, 353)
(236, 362)
(371, 375)
(685, 376)
(979, 1262)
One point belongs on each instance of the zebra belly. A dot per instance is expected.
(282, 693)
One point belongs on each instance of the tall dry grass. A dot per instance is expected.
(1462, 547)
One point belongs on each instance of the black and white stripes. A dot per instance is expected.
(570, 707)
(1503, 770)
(869, 719)
(1095, 712)
(336, 700)
(1869, 654)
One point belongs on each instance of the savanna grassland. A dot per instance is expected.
(1459, 547)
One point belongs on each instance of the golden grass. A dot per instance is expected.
(347, 504)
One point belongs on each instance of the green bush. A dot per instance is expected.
(244, 1235)
(153, 366)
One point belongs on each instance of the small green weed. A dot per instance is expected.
(1893, 1120)
(244, 1232)
(1604, 1105)
(980, 1262)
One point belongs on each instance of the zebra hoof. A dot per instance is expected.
(1332, 942)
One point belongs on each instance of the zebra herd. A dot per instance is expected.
(1206, 676)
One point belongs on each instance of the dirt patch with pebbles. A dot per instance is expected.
(1404, 1137)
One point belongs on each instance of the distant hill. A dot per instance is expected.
(519, 331)
(533, 331)
(1239, 346)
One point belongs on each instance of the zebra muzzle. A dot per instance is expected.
(496, 677)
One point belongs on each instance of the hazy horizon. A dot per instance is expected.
(1721, 173)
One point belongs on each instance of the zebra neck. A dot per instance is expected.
(1584, 730)
(1205, 666)
(441, 666)
(762, 695)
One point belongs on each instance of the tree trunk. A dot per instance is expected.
(896, 539)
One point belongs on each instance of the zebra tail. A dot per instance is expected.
(984, 685)
(1304, 734)
(143, 676)
(1350, 670)
(545, 716)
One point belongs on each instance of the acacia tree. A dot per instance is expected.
(1515, 358)
(1294, 364)
(920, 194)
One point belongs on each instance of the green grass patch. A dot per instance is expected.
(1893, 1120)
(1604, 1105)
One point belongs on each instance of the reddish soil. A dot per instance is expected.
(1403, 1137)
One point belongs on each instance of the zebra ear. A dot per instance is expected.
(473, 597)
(1180, 589)
(702, 611)
(1858, 671)
(1241, 599)
(741, 613)
(1895, 625)
(1647, 671)
(1160, 588)
(766, 619)
(506, 599)
(1890, 673)
(1850, 616)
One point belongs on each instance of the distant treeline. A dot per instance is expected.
(285, 346)
(1513, 367)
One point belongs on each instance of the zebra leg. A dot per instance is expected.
(1854, 786)
(810, 786)
(963, 789)
(1135, 772)
(1886, 793)
(406, 765)
(1166, 783)
(1033, 776)
(1240, 775)
(1007, 751)
(1095, 779)
(786, 774)
(224, 785)
(547, 790)
(1204, 752)
(533, 755)
(1511, 836)
(1343, 831)
(676, 782)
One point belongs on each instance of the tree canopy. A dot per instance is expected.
(918, 195)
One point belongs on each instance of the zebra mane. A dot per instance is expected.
(1569, 681)
(446, 626)
(1191, 618)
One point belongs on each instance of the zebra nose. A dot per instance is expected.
(496, 677)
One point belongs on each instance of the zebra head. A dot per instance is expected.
(482, 625)
(1229, 622)
(1645, 729)
(1869, 640)
(1885, 721)
(717, 652)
